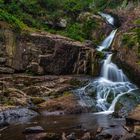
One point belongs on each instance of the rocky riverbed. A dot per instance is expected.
(44, 107)
(50, 92)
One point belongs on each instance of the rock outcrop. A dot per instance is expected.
(126, 44)
(43, 53)
(49, 92)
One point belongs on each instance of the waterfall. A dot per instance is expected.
(112, 83)
(107, 17)
(111, 72)
(107, 42)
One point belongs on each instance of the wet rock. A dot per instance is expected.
(86, 136)
(103, 135)
(35, 129)
(134, 116)
(116, 137)
(71, 136)
(16, 113)
(117, 22)
(39, 136)
(99, 130)
(3, 124)
(129, 136)
(128, 129)
(66, 103)
(137, 129)
(64, 136)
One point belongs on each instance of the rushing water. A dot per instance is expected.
(107, 42)
(107, 17)
(112, 83)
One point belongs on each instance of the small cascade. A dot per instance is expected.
(107, 42)
(84, 99)
(107, 17)
(111, 72)
(106, 90)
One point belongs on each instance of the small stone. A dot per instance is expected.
(127, 128)
(71, 136)
(38, 136)
(99, 130)
(86, 136)
(36, 129)
(62, 23)
(129, 136)
(137, 129)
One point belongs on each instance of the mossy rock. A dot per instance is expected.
(37, 100)
(67, 93)
(118, 106)
(77, 83)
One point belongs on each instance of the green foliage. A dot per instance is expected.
(102, 4)
(74, 7)
(25, 15)
(132, 38)
(16, 23)
(51, 5)
(88, 26)
(74, 31)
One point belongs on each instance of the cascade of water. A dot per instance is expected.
(111, 72)
(111, 85)
(108, 18)
(107, 42)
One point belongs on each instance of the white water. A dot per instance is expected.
(111, 72)
(112, 83)
(107, 42)
(108, 18)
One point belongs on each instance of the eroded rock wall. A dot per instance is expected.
(126, 44)
(43, 53)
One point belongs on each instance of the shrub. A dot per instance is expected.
(16, 23)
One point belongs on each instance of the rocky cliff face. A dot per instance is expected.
(127, 45)
(43, 53)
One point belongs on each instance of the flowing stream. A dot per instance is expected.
(105, 91)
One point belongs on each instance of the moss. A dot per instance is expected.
(75, 82)
(37, 100)
(67, 93)
(100, 55)
(6, 100)
(118, 106)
